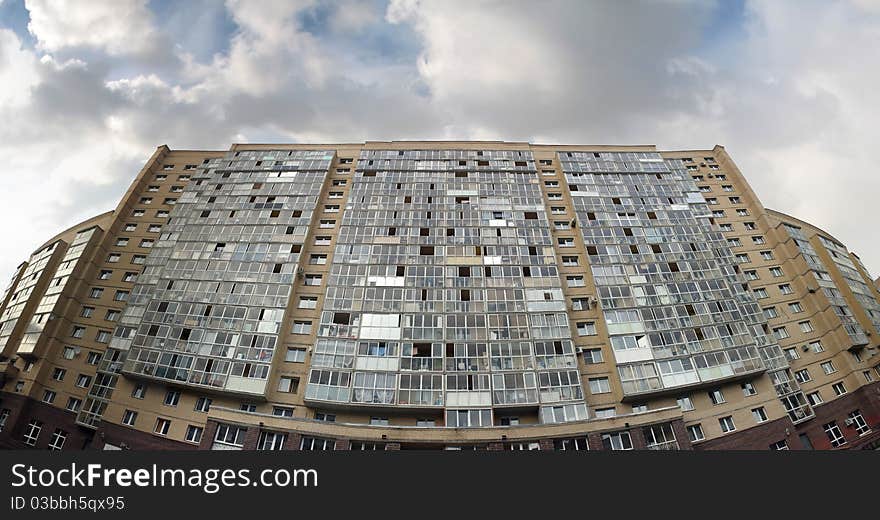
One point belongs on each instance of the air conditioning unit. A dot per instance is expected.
(848, 421)
(593, 301)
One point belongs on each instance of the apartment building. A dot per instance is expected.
(441, 295)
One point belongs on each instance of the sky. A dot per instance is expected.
(88, 90)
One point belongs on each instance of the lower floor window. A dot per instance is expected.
(617, 441)
(317, 444)
(57, 440)
(834, 434)
(32, 432)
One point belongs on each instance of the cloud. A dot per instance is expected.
(115, 26)
(789, 90)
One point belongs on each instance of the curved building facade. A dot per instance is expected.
(441, 295)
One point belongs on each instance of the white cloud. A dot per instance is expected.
(115, 26)
(793, 94)
(17, 71)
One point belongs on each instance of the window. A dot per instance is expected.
(248, 407)
(295, 355)
(102, 336)
(326, 417)
(742, 258)
(770, 313)
(194, 434)
(766, 255)
(230, 435)
(727, 424)
(48, 396)
(828, 367)
(593, 356)
(580, 304)
(378, 421)
(814, 398)
(834, 434)
(288, 384)
(58, 374)
(138, 259)
(639, 408)
(685, 403)
(56, 442)
(781, 332)
(795, 307)
(839, 388)
(575, 281)
(203, 404)
(162, 426)
(751, 274)
(858, 422)
(748, 389)
(806, 326)
(785, 289)
(318, 259)
(302, 327)
(599, 385)
(172, 397)
(270, 441)
(313, 279)
(32, 432)
(605, 413)
(565, 242)
(96, 292)
(802, 376)
(316, 444)
(779, 445)
(776, 272)
(716, 397)
(121, 242)
(69, 352)
(759, 414)
(308, 302)
(83, 381)
(138, 213)
(759, 240)
(73, 404)
(617, 441)
(761, 293)
(869, 377)
(4, 416)
(140, 391)
(322, 241)
(146, 242)
(586, 328)
(569, 261)
(282, 411)
(93, 358)
(112, 315)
